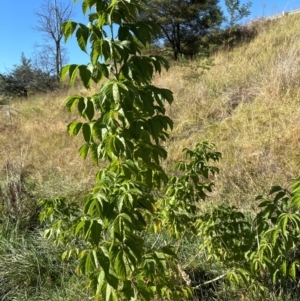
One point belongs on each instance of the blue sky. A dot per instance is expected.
(17, 19)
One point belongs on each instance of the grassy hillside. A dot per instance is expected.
(247, 104)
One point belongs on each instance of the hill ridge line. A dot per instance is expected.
(283, 14)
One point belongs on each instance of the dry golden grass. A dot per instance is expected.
(37, 142)
(247, 104)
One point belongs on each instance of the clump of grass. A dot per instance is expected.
(31, 268)
(17, 201)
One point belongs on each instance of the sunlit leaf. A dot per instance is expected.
(68, 28)
(120, 266)
(83, 151)
(85, 75)
(74, 128)
(82, 35)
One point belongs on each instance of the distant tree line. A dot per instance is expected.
(186, 27)
(26, 77)
(40, 73)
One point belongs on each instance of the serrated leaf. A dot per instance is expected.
(105, 291)
(282, 223)
(74, 128)
(95, 232)
(79, 226)
(82, 35)
(103, 259)
(72, 101)
(94, 153)
(112, 280)
(279, 196)
(168, 95)
(89, 109)
(85, 6)
(264, 203)
(97, 281)
(283, 267)
(85, 75)
(115, 91)
(86, 131)
(99, 71)
(292, 270)
(81, 106)
(135, 245)
(112, 147)
(128, 290)
(64, 71)
(144, 290)
(120, 266)
(114, 296)
(86, 263)
(275, 189)
(123, 33)
(73, 71)
(84, 149)
(68, 28)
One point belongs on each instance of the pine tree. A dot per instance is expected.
(24, 77)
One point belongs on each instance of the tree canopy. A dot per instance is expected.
(237, 11)
(183, 22)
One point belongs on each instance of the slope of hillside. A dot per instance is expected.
(248, 105)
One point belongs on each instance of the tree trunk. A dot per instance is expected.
(57, 58)
(175, 52)
(176, 46)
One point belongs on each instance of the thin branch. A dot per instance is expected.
(210, 281)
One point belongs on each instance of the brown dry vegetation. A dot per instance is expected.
(36, 141)
(247, 104)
